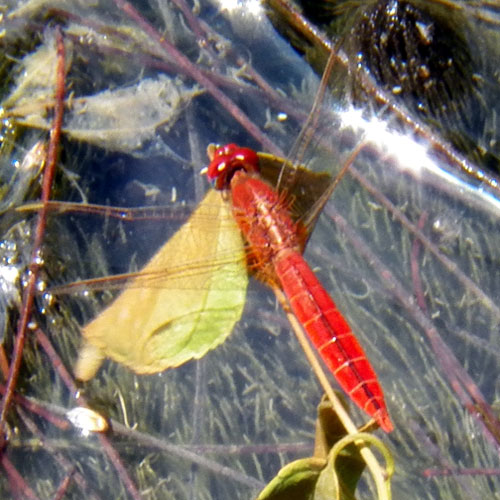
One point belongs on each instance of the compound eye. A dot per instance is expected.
(227, 150)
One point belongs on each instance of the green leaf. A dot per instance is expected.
(329, 428)
(295, 481)
(334, 472)
(184, 302)
(341, 475)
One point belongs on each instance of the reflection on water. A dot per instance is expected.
(408, 249)
(432, 58)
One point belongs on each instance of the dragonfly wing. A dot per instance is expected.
(150, 329)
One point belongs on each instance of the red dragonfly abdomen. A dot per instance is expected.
(331, 335)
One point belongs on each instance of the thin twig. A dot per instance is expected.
(63, 487)
(415, 275)
(16, 479)
(36, 258)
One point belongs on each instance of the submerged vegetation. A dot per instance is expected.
(408, 245)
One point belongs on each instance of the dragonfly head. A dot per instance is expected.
(226, 160)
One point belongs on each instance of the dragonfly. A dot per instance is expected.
(152, 340)
(410, 368)
(275, 246)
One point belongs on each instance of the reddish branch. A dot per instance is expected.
(18, 485)
(63, 487)
(30, 291)
(415, 274)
